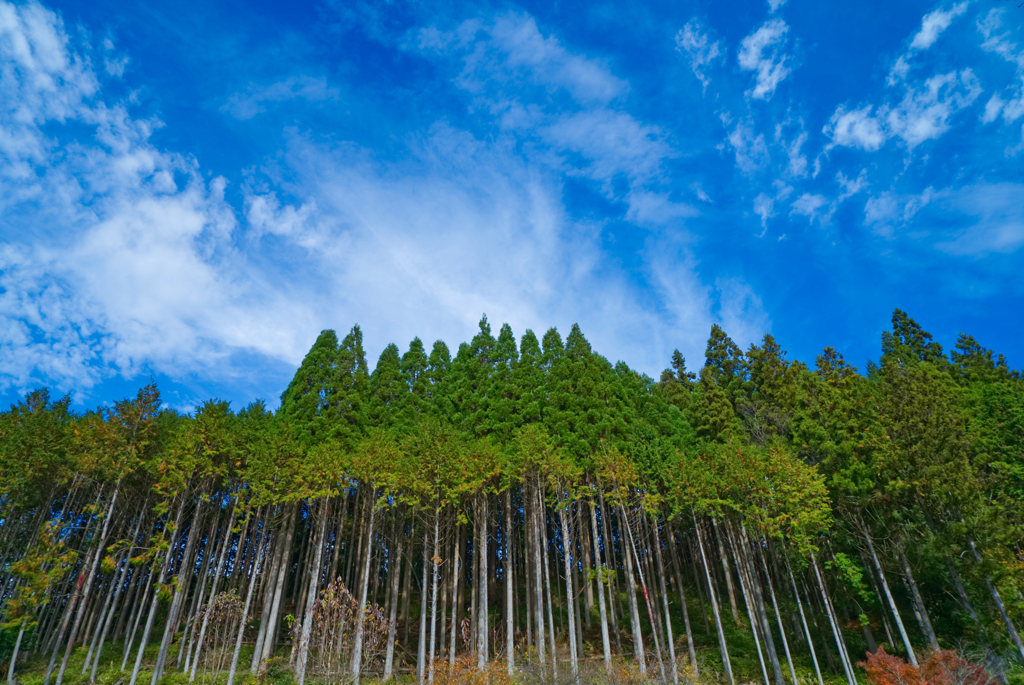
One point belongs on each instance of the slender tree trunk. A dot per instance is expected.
(634, 611)
(647, 598)
(245, 612)
(100, 548)
(14, 655)
(755, 627)
(778, 615)
(547, 583)
(538, 592)
(435, 563)
(836, 630)
(482, 606)
(888, 594)
(755, 585)
(509, 590)
(179, 596)
(803, 619)
(313, 584)
(605, 638)
(155, 603)
(1010, 628)
(357, 654)
(728, 573)
(691, 648)
(926, 624)
(714, 608)
(225, 548)
(664, 599)
(421, 649)
(569, 589)
(396, 566)
(138, 617)
(457, 573)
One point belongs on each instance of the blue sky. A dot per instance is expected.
(193, 192)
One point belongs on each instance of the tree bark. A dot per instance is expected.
(357, 655)
(714, 607)
(313, 584)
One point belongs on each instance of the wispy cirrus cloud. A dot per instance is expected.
(761, 52)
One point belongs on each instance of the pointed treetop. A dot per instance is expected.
(723, 357)
(529, 347)
(908, 342)
(576, 344)
(552, 344)
(505, 351)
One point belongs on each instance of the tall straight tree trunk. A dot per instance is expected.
(222, 559)
(269, 587)
(421, 650)
(669, 534)
(634, 611)
(245, 611)
(728, 574)
(605, 638)
(100, 548)
(926, 624)
(179, 595)
(188, 643)
(270, 636)
(714, 607)
(168, 558)
(457, 573)
(1010, 628)
(150, 576)
(742, 572)
(836, 630)
(803, 620)
(664, 599)
(394, 576)
(547, 583)
(509, 590)
(538, 592)
(755, 584)
(357, 654)
(647, 597)
(888, 595)
(482, 606)
(313, 584)
(14, 655)
(569, 589)
(778, 615)
(435, 563)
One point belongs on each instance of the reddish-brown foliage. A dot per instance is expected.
(945, 667)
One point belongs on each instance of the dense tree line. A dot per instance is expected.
(526, 506)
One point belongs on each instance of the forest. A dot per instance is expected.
(525, 511)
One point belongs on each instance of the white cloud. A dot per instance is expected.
(797, 161)
(1012, 107)
(808, 205)
(136, 263)
(249, 104)
(775, 5)
(997, 219)
(855, 128)
(923, 114)
(764, 207)
(851, 186)
(758, 53)
(514, 47)
(751, 151)
(702, 51)
(935, 23)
